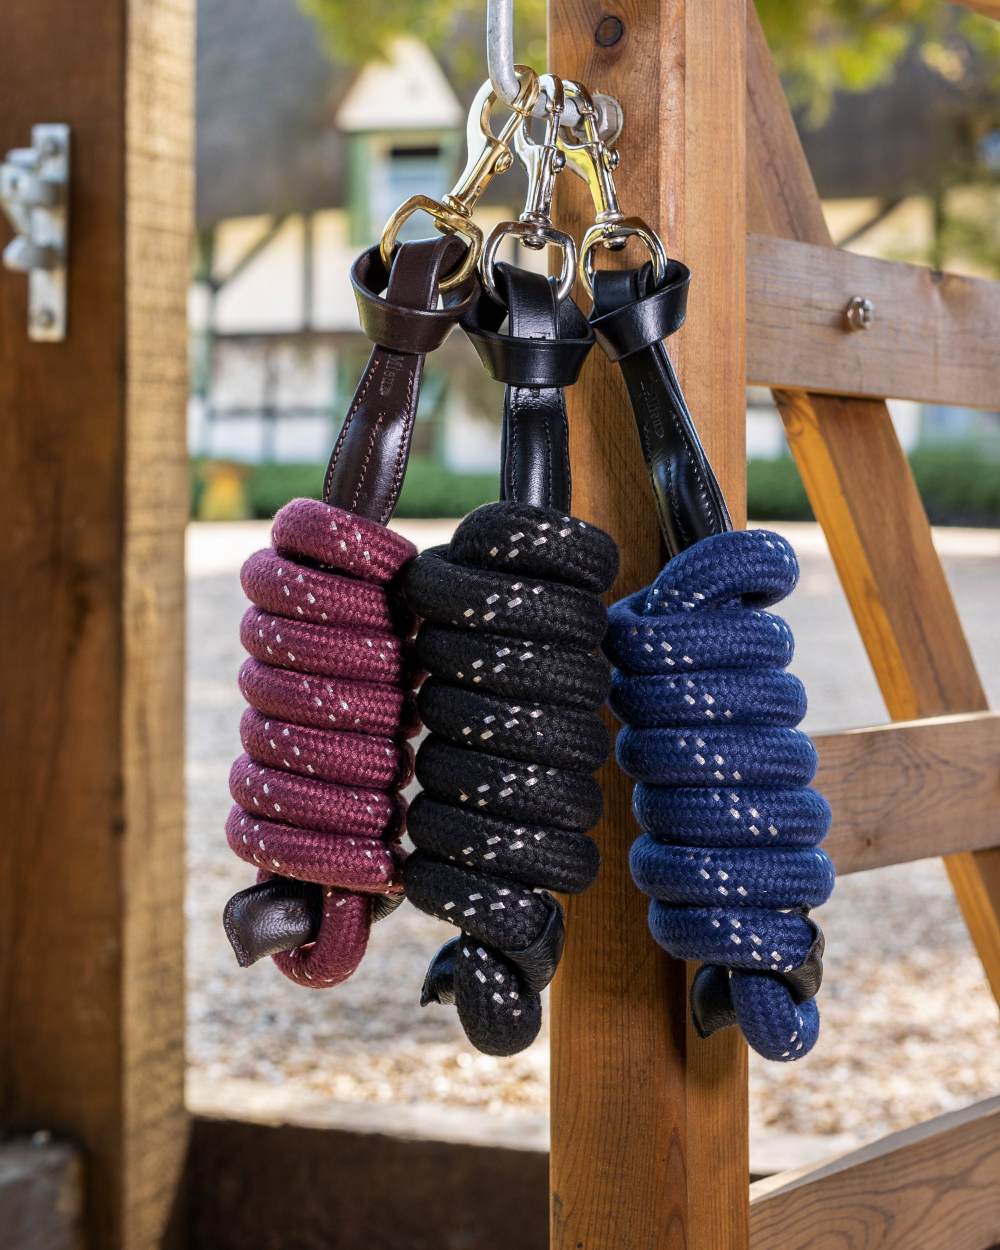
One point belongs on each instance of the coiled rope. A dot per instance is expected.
(512, 624)
(730, 853)
(316, 791)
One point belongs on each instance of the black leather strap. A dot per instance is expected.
(631, 317)
(543, 350)
(365, 474)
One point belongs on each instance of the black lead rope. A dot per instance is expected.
(513, 623)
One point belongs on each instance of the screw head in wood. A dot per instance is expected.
(859, 313)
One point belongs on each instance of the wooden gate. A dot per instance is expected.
(649, 1123)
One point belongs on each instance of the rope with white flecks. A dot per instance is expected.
(730, 851)
(317, 791)
(512, 624)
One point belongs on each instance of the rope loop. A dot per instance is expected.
(512, 623)
(730, 850)
(317, 791)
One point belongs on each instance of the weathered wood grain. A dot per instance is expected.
(928, 340)
(642, 1111)
(911, 790)
(936, 1187)
(93, 495)
(863, 494)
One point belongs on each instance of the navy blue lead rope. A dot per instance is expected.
(729, 853)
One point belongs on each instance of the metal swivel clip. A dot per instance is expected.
(542, 162)
(592, 160)
(489, 155)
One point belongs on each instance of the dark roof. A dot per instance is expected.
(266, 95)
(905, 137)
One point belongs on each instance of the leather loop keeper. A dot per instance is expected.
(400, 327)
(517, 361)
(649, 320)
(365, 474)
(546, 342)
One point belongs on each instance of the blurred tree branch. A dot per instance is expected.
(820, 46)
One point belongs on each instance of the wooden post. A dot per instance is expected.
(649, 1123)
(93, 492)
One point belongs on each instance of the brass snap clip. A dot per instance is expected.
(489, 155)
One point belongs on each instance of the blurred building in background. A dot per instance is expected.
(299, 164)
(300, 161)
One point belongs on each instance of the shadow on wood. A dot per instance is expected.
(263, 1187)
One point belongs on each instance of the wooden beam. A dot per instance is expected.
(863, 494)
(928, 339)
(911, 790)
(936, 1186)
(642, 1110)
(93, 493)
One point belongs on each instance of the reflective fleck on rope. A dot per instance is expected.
(730, 853)
(317, 791)
(512, 627)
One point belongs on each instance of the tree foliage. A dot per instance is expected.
(853, 45)
(820, 45)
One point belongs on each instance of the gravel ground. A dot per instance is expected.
(909, 1028)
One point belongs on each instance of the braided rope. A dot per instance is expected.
(510, 636)
(729, 854)
(317, 790)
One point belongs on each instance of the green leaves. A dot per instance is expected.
(854, 45)
(454, 29)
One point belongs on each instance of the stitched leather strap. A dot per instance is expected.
(543, 350)
(631, 318)
(365, 474)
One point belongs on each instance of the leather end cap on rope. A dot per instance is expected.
(712, 1007)
(538, 962)
(384, 905)
(711, 1000)
(270, 917)
(439, 983)
(804, 981)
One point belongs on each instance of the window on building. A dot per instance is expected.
(387, 172)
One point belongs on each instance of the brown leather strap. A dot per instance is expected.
(365, 474)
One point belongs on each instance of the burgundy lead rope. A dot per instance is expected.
(317, 792)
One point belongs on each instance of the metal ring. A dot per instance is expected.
(447, 221)
(525, 230)
(620, 232)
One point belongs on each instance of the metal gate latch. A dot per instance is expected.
(34, 193)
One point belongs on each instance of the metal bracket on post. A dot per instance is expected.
(503, 75)
(34, 193)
